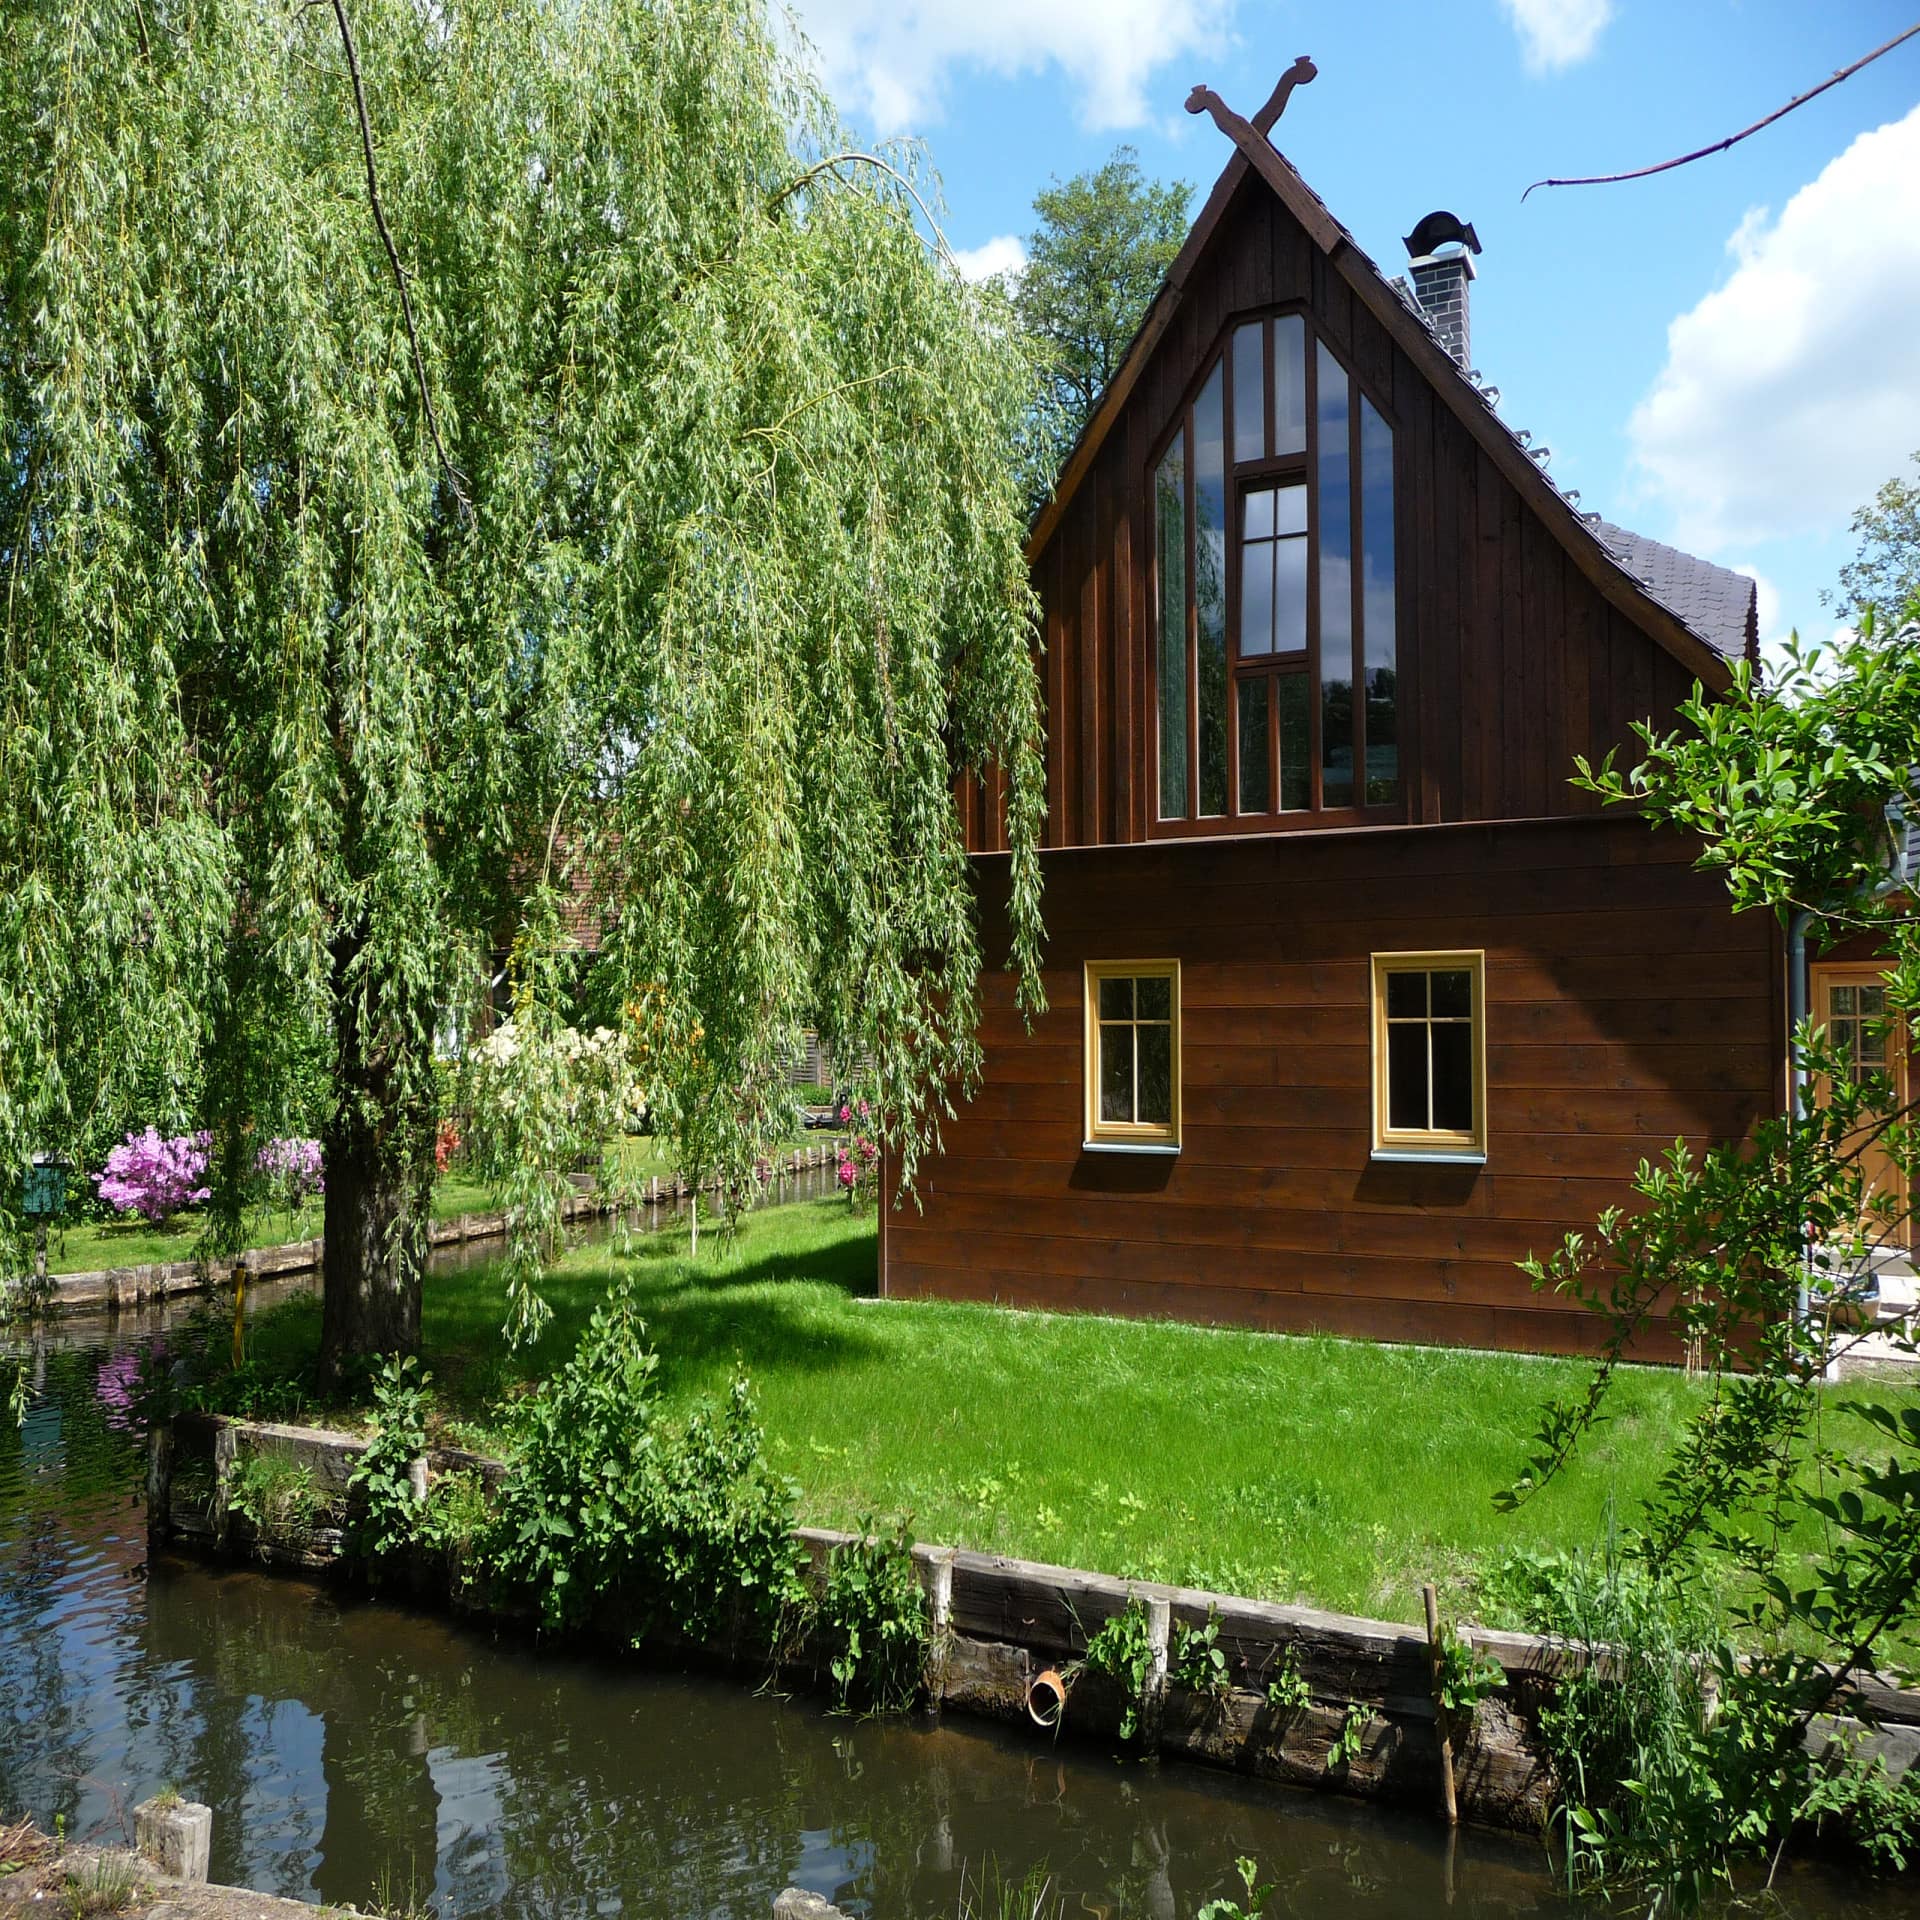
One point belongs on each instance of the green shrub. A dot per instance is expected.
(603, 1498)
(390, 1511)
(1122, 1649)
(875, 1609)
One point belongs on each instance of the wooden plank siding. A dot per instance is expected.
(1624, 1006)
(1511, 662)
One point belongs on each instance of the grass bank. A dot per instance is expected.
(89, 1245)
(1313, 1470)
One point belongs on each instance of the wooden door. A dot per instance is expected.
(1851, 1003)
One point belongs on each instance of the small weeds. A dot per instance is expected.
(1287, 1690)
(274, 1493)
(108, 1883)
(1348, 1741)
(991, 1895)
(21, 1845)
(1196, 1660)
(1467, 1675)
(1123, 1650)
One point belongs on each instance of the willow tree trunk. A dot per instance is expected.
(379, 1161)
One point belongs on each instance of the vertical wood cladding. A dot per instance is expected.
(1625, 1005)
(1511, 661)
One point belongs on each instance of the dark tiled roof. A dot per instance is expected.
(1717, 603)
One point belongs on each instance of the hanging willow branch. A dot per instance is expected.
(393, 260)
(1733, 139)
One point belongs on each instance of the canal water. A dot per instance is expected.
(355, 1751)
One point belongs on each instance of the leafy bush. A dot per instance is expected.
(154, 1177)
(602, 1499)
(875, 1607)
(390, 1512)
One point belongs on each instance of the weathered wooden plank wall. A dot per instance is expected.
(1625, 1006)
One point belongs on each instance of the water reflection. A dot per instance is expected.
(355, 1751)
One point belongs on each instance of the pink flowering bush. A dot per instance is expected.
(292, 1169)
(154, 1177)
(860, 1156)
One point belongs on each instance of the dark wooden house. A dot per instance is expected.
(1354, 999)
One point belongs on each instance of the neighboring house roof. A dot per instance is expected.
(1721, 606)
(1697, 649)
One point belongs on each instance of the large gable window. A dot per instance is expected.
(1273, 588)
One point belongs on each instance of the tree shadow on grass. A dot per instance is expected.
(781, 1310)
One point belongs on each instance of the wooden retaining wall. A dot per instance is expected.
(114, 1288)
(1001, 1622)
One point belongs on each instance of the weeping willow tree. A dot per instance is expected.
(458, 455)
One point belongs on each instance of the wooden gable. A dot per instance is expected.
(1521, 641)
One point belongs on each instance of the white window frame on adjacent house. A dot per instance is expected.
(1466, 1145)
(1132, 1136)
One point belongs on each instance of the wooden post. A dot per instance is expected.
(1435, 1658)
(160, 1480)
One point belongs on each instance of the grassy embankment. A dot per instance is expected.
(132, 1242)
(1317, 1470)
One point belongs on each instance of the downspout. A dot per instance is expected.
(1797, 1067)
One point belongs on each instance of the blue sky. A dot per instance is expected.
(1727, 356)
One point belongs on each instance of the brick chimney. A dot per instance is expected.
(1441, 248)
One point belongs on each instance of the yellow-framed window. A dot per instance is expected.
(1133, 1053)
(1430, 1054)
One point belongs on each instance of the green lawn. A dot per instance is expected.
(1313, 1469)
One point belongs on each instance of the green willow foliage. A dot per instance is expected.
(719, 585)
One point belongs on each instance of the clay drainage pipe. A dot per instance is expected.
(1047, 1699)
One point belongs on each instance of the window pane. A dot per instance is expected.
(1336, 586)
(1377, 605)
(1156, 997)
(1116, 999)
(1452, 1075)
(1873, 1003)
(1156, 1076)
(1256, 783)
(1406, 996)
(1336, 741)
(1257, 514)
(1289, 385)
(1452, 994)
(1407, 1076)
(1296, 743)
(1170, 513)
(1116, 1073)
(1256, 599)
(1290, 596)
(1873, 1046)
(1250, 393)
(1843, 1002)
(1210, 584)
(1290, 510)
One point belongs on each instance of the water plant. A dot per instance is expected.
(1253, 1903)
(108, 1883)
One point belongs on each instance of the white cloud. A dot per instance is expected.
(1557, 33)
(1791, 392)
(1004, 253)
(888, 61)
